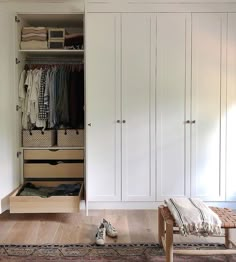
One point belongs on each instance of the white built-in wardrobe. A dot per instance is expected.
(160, 101)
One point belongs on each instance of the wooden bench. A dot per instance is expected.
(166, 224)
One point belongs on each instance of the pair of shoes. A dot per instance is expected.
(105, 228)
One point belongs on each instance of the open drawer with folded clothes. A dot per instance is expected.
(47, 197)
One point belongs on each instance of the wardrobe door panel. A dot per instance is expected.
(138, 107)
(208, 105)
(103, 137)
(231, 109)
(172, 104)
(9, 163)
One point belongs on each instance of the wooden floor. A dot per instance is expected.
(134, 226)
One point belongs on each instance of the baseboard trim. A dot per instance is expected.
(147, 205)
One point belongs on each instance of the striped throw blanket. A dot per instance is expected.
(193, 217)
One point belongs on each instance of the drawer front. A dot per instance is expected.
(61, 170)
(53, 154)
(53, 204)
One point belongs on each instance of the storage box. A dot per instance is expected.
(56, 33)
(56, 44)
(70, 137)
(39, 138)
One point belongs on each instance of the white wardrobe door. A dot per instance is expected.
(231, 109)
(138, 107)
(103, 145)
(208, 93)
(172, 104)
(9, 163)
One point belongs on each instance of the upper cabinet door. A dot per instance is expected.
(208, 105)
(9, 163)
(231, 109)
(173, 72)
(103, 110)
(138, 107)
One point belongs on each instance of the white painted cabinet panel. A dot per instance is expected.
(138, 107)
(9, 163)
(173, 104)
(103, 107)
(208, 103)
(231, 110)
(120, 107)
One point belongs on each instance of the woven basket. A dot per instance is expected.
(70, 137)
(38, 138)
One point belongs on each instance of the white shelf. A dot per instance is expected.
(59, 52)
(53, 147)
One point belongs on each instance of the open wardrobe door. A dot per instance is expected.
(9, 155)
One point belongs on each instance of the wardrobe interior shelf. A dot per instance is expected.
(54, 147)
(52, 51)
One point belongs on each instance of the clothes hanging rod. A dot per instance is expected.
(53, 60)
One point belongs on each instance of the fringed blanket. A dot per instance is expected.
(193, 217)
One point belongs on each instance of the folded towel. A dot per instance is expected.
(34, 45)
(193, 217)
(33, 34)
(34, 28)
(36, 38)
(34, 31)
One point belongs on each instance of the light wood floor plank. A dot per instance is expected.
(134, 226)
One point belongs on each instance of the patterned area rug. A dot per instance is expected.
(109, 252)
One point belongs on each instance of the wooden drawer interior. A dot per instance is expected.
(61, 154)
(52, 204)
(58, 170)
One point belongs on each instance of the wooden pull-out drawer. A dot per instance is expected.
(53, 204)
(64, 154)
(47, 170)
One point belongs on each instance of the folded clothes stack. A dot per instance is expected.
(74, 41)
(34, 38)
(30, 189)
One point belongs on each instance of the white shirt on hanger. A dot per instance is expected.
(21, 90)
(36, 75)
(26, 109)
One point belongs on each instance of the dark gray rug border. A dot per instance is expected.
(115, 245)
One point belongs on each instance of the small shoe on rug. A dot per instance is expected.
(110, 230)
(101, 235)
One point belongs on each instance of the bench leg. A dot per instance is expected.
(161, 227)
(227, 238)
(169, 241)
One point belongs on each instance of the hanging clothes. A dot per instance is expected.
(52, 97)
(36, 76)
(22, 91)
(76, 99)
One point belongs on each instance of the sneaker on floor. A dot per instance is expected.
(110, 230)
(101, 235)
